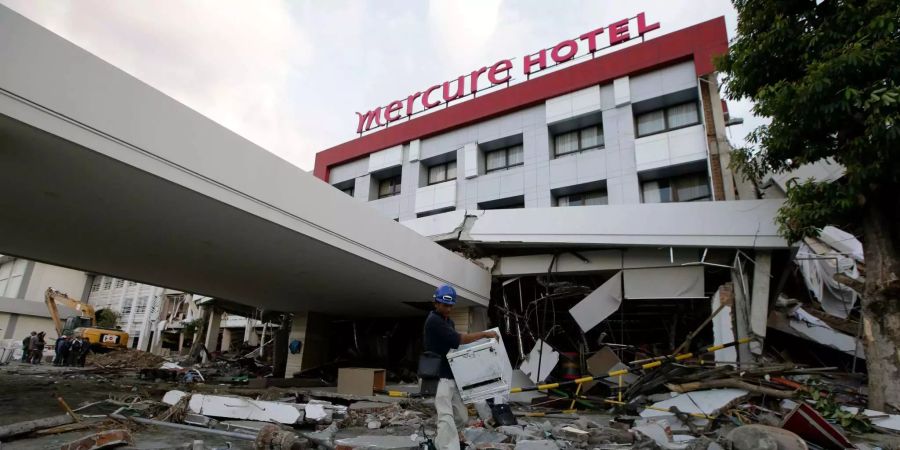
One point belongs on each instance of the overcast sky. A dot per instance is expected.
(289, 75)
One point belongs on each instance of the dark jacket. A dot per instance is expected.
(441, 337)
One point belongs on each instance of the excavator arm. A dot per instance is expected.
(53, 297)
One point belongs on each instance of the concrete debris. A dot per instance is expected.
(763, 437)
(377, 442)
(125, 359)
(234, 407)
(698, 402)
(542, 354)
(101, 440)
(537, 445)
(15, 429)
(475, 436)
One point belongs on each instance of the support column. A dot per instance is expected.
(180, 341)
(741, 306)
(226, 339)
(298, 332)
(212, 330)
(150, 318)
(759, 306)
(280, 347)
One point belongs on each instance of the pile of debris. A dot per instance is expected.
(125, 359)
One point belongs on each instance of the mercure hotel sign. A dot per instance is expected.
(501, 72)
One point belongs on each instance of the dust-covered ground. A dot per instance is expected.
(29, 392)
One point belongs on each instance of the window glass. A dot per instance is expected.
(388, 187)
(691, 188)
(681, 115)
(595, 198)
(566, 143)
(656, 191)
(436, 174)
(651, 122)
(451, 170)
(515, 156)
(349, 191)
(591, 137)
(126, 306)
(495, 160)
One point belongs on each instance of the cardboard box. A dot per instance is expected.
(360, 380)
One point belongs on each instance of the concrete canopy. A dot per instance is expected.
(104, 173)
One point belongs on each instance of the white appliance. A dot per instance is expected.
(482, 370)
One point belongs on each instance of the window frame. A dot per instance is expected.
(673, 191)
(666, 127)
(581, 147)
(446, 166)
(395, 189)
(583, 196)
(505, 151)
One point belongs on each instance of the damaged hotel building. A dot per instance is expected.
(592, 181)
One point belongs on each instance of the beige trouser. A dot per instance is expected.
(451, 415)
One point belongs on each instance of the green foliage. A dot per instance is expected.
(191, 326)
(826, 405)
(107, 318)
(828, 77)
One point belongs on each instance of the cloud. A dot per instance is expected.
(462, 28)
(229, 60)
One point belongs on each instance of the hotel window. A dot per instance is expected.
(579, 140)
(141, 307)
(120, 283)
(107, 283)
(692, 187)
(349, 190)
(670, 118)
(504, 158)
(442, 172)
(389, 187)
(591, 198)
(126, 306)
(11, 274)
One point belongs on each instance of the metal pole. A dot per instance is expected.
(178, 426)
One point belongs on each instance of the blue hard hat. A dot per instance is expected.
(446, 295)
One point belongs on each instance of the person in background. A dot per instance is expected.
(441, 337)
(26, 347)
(37, 348)
(62, 350)
(74, 351)
(85, 349)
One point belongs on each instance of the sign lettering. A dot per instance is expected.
(500, 73)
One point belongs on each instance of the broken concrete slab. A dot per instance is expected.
(764, 437)
(32, 425)
(537, 445)
(518, 432)
(600, 304)
(475, 436)
(377, 443)
(708, 402)
(661, 433)
(234, 407)
(573, 434)
(542, 354)
(367, 407)
(605, 361)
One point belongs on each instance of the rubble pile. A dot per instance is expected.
(125, 359)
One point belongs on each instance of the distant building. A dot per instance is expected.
(22, 287)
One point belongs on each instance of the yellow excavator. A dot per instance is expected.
(83, 325)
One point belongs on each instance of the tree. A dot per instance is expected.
(826, 73)
(107, 318)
